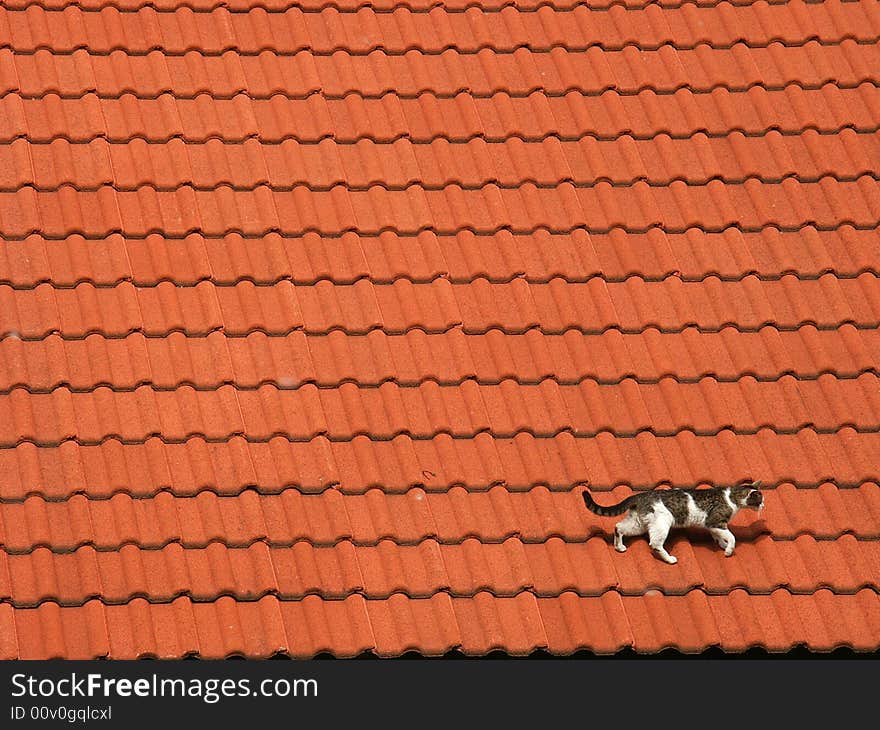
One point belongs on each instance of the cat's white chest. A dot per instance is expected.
(695, 516)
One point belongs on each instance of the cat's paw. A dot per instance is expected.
(728, 552)
(672, 560)
(620, 548)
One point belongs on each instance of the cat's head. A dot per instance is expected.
(748, 496)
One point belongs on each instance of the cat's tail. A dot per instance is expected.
(609, 511)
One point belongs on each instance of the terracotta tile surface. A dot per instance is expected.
(315, 318)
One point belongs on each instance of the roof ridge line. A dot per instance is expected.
(593, 535)
(831, 327)
(475, 50)
(470, 490)
(433, 5)
(462, 91)
(444, 276)
(638, 181)
(468, 436)
(453, 140)
(269, 593)
(433, 380)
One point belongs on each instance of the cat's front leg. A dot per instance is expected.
(725, 539)
(658, 531)
(731, 544)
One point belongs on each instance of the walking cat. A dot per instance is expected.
(658, 511)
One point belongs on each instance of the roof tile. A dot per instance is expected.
(315, 320)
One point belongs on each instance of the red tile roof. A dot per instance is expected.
(314, 317)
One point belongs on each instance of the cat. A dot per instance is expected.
(658, 511)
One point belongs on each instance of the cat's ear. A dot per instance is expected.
(757, 484)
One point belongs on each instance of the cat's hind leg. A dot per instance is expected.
(660, 522)
(629, 526)
(725, 539)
